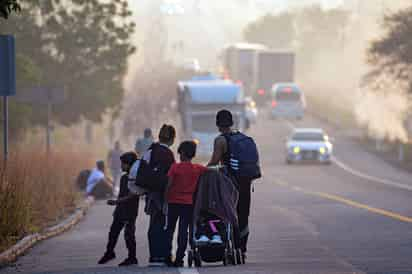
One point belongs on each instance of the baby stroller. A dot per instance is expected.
(215, 202)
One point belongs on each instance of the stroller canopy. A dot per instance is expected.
(216, 194)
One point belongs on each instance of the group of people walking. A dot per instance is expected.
(175, 202)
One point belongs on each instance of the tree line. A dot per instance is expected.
(79, 46)
(313, 31)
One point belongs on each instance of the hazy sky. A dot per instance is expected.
(326, 3)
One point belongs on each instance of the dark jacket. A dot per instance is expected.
(163, 158)
(216, 194)
(126, 211)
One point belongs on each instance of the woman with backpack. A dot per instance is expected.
(159, 159)
(239, 154)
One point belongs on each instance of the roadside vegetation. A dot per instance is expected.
(37, 191)
(355, 69)
(81, 48)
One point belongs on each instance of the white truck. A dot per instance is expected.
(199, 101)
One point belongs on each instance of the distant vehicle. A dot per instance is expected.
(309, 144)
(198, 102)
(172, 8)
(272, 67)
(251, 110)
(191, 64)
(238, 63)
(288, 101)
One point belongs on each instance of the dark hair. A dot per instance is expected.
(188, 149)
(128, 158)
(100, 165)
(147, 133)
(224, 119)
(167, 133)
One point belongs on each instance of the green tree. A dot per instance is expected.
(8, 6)
(80, 45)
(275, 31)
(320, 31)
(312, 32)
(391, 55)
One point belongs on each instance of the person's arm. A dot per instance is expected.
(218, 152)
(170, 179)
(127, 198)
(169, 183)
(121, 200)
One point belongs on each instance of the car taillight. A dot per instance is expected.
(274, 103)
(240, 83)
(261, 92)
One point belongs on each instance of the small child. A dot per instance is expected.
(124, 216)
(183, 179)
(208, 230)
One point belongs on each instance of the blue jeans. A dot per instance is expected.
(183, 213)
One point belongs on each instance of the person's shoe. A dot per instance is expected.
(157, 262)
(169, 261)
(216, 240)
(202, 240)
(108, 256)
(178, 263)
(129, 261)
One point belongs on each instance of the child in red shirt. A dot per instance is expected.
(183, 178)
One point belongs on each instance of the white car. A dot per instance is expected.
(309, 144)
(251, 110)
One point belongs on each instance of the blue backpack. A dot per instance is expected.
(243, 156)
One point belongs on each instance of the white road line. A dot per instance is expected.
(188, 271)
(369, 177)
(360, 174)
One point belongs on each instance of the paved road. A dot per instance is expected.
(305, 219)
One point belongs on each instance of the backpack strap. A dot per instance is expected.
(226, 156)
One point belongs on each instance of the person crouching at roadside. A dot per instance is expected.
(124, 216)
(98, 184)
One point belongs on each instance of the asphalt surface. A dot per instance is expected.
(305, 219)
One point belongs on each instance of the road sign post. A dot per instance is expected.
(47, 97)
(7, 83)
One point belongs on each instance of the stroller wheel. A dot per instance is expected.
(190, 258)
(197, 259)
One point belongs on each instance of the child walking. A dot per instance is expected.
(183, 178)
(124, 216)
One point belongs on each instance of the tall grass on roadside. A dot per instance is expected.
(37, 190)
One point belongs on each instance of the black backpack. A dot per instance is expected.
(151, 177)
(243, 156)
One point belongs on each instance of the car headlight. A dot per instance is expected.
(296, 150)
(322, 150)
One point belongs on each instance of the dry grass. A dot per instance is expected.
(37, 190)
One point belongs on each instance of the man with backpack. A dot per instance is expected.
(239, 154)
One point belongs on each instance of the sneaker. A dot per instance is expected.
(203, 240)
(216, 239)
(108, 256)
(129, 261)
(169, 261)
